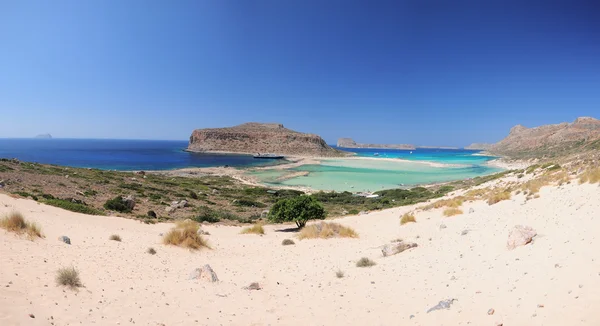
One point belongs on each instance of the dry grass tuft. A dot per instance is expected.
(452, 211)
(255, 229)
(474, 194)
(498, 196)
(407, 218)
(365, 262)
(451, 202)
(326, 230)
(592, 175)
(185, 234)
(339, 273)
(287, 242)
(68, 277)
(151, 251)
(16, 223)
(115, 237)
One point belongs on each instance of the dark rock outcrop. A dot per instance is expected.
(252, 138)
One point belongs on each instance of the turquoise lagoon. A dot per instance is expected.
(371, 173)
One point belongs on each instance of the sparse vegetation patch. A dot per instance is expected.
(16, 223)
(325, 230)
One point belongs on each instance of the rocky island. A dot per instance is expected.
(253, 138)
(43, 136)
(350, 143)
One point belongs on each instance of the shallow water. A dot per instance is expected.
(373, 174)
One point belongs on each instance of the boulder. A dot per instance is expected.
(182, 204)
(205, 273)
(396, 248)
(442, 226)
(444, 304)
(264, 214)
(519, 236)
(471, 210)
(253, 286)
(129, 201)
(202, 232)
(65, 239)
(169, 209)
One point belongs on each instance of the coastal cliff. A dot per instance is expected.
(252, 138)
(350, 143)
(551, 140)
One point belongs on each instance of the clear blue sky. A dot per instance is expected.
(422, 72)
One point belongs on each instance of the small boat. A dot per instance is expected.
(268, 156)
(376, 154)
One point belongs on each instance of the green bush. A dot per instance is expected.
(249, 203)
(117, 204)
(299, 210)
(73, 207)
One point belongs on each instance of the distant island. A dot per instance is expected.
(43, 136)
(350, 143)
(437, 147)
(261, 138)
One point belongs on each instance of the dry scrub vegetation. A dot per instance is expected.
(592, 175)
(16, 223)
(407, 218)
(365, 262)
(325, 230)
(115, 237)
(68, 277)
(451, 211)
(498, 196)
(255, 229)
(185, 234)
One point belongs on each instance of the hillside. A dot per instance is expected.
(350, 143)
(252, 138)
(551, 140)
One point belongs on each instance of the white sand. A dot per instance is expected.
(123, 284)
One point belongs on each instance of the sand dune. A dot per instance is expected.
(553, 281)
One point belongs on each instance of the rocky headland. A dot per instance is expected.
(479, 146)
(350, 143)
(582, 135)
(252, 138)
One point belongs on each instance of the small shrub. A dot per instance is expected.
(117, 204)
(326, 230)
(452, 211)
(499, 196)
(339, 273)
(365, 262)
(452, 202)
(520, 175)
(151, 214)
(193, 195)
(287, 242)
(115, 237)
(151, 251)
(353, 212)
(16, 223)
(255, 229)
(68, 277)
(185, 234)
(407, 218)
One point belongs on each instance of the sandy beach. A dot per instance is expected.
(553, 281)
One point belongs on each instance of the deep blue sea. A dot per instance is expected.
(113, 154)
